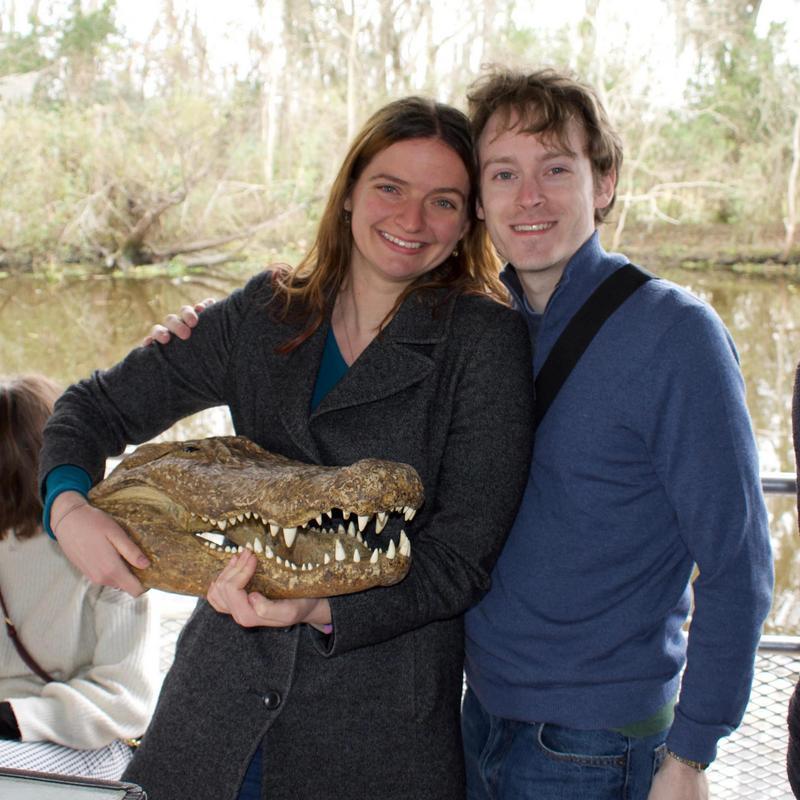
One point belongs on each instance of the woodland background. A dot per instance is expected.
(118, 152)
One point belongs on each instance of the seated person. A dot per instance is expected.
(78, 670)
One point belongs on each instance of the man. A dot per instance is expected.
(644, 465)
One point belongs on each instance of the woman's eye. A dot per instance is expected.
(505, 175)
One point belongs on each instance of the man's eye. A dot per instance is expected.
(443, 202)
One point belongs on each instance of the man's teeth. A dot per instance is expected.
(542, 226)
(401, 242)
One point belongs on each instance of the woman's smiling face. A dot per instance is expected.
(408, 211)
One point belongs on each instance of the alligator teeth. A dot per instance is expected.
(374, 558)
(274, 528)
(405, 544)
(268, 552)
(380, 521)
(356, 556)
(326, 559)
(213, 538)
(222, 524)
(279, 560)
(363, 519)
(204, 518)
(345, 515)
(390, 552)
(249, 545)
(248, 514)
(240, 517)
(319, 519)
(341, 530)
(359, 538)
(339, 551)
(230, 549)
(257, 545)
(408, 513)
(289, 535)
(351, 529)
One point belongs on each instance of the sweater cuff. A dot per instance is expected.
(65, 478)
(694, 740)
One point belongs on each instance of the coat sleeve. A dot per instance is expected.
(704, 450)
(482, 476)
(113, 695)
(146, 392)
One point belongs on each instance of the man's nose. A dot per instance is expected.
(530, 193)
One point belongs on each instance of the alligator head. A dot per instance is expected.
(188, 505)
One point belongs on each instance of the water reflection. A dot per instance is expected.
(68, 328)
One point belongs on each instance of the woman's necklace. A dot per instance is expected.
(351, 354)
(351, 357)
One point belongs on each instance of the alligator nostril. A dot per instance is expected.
(190, 448)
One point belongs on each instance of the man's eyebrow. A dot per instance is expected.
(550, 153)
(385, 176)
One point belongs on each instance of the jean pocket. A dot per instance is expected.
(597, 748)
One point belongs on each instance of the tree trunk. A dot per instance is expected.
(790, 222)
(352, 69)
(272, 63)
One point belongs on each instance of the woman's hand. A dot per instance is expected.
(95, 543)
(180, 324)
(227, 595)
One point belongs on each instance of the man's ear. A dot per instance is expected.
(604, 189)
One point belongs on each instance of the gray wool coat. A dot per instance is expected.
(372, 710)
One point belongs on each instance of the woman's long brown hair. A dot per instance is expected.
(25, 404)
(309, 289)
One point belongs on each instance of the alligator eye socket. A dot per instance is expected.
(190, 448)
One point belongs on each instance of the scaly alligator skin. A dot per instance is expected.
(190, 504)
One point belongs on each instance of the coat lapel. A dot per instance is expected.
(293, 377)
(395, 359)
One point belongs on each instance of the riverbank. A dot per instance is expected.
(660, 248)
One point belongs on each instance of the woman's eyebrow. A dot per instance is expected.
(385, 176)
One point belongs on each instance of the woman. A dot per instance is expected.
(382, 343)
(77, 669)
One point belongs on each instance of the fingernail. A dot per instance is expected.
(142, 562)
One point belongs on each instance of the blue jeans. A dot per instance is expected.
(510, 760)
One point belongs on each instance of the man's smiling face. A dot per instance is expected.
(538, 197)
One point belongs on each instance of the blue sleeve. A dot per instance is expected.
(704, 449)
(66, 478)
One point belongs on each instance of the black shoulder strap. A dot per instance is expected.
(580, 331)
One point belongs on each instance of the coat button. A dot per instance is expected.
(272, 700)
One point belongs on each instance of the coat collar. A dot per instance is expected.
(397, 358)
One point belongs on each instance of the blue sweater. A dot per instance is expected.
(644, 466)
